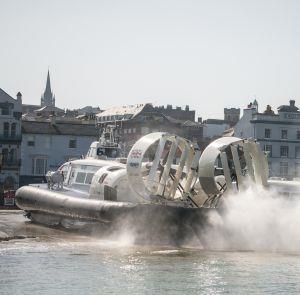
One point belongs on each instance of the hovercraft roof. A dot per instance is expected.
(97, 162)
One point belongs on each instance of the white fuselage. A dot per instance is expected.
(88, 178)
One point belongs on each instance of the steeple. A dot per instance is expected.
(48, 99)
(48, 84)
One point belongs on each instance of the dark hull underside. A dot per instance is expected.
(147, 223)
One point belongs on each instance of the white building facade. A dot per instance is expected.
(278, 135)
(47, 145)
(214, 128)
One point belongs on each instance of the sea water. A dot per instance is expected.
(253, 249)
(86, 266)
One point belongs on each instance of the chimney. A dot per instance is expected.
(292, 103)
(19, 97)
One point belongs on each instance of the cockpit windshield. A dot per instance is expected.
(82, 174)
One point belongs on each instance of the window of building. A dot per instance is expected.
(73, 143)
(267, 133)
(284, 169)
(5, 110)
(12, 156)
(297, 152)
(6, 129)
(39, 166)
(284, 134)
(298, 134)
(13, 129)
(31, 140)
(297, 169)
(284, 151)
(4, 156)
(268, 149)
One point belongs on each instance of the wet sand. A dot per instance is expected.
(13, 225)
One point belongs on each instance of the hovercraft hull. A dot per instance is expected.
(148, 222)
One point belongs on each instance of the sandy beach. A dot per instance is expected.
(13, 225)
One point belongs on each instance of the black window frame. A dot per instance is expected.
(282, 154)
(72, 143)
(267, 133)
(284, 131)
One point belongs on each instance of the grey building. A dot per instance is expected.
(278, 134)
(48, 144)
(231, 115)
(177, 112)
(10, 140)
(134, 121)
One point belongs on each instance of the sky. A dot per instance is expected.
(207, 54)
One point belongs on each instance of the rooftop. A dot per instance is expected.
(49, 108)
(288, 108)
(70, 128)
(123, 112)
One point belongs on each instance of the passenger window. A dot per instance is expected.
(80, 177)
(89, 177)
(103, 176)
(112, 169)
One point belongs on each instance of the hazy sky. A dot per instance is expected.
(208, 54)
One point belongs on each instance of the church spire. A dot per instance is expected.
(48, 84)
(48, 99)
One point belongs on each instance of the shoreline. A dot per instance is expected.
(14, 226)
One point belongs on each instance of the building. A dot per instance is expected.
(47, 144)
(177, 113)
(10, 141)
(232, 115)
(278, 134)
(29, 108)
(47, 111)
(134, 121)
(87, 113)
(214, 128)
(48, 98)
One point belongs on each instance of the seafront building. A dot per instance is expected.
(214, 128)
(278, 134)
(134, 121)
(46, 145)
(177, 113)
(10, 142)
